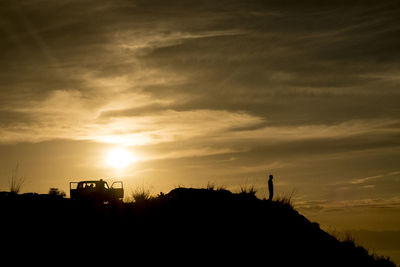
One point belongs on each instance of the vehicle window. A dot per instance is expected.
(105, 185)
(90, 185)
(117, 185)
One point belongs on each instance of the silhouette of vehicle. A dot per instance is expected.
(96, 190)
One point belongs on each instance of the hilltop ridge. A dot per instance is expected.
(192, 222)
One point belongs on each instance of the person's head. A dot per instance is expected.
(270, 176)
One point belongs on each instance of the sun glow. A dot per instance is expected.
(120, 158)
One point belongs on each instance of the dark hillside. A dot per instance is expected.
(195, 223)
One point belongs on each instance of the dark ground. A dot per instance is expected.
(194, 226)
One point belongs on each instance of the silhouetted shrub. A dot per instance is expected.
(56, 192)
(248, 190)
(140, 194)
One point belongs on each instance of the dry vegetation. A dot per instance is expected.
(16, 181)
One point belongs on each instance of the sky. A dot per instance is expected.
(208, 92)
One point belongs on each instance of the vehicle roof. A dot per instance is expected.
(92, 181)
(95, 181)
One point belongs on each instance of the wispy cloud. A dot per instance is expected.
(342, 205)
(373, 178)
(366, 179)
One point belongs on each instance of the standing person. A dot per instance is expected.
(270, 187)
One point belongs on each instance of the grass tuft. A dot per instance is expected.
(248, 190)
(141, 194)
(349, 238)
(212, 187)
(16, 182)
(286, 199)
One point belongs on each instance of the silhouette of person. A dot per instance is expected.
(270, 187)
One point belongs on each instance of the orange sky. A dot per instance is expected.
(221, 93)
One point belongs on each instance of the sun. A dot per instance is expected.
(120, 158)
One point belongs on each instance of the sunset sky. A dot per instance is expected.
(197, 92)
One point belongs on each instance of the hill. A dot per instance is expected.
(198, 224)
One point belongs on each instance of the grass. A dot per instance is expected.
(141, 194)
(349, 237)
(185, 221)
(16, 181)
(248, 190)
(57, 193)
(286, 199)
(211, 186)
(342, 236)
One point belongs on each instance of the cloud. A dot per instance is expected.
(220, 77)
(346, 205)
(225, 90)
(194, 152)
(366, 179)
(342, 130)
(68, 115)
(374, 178)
